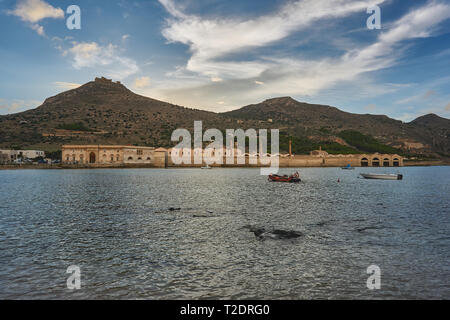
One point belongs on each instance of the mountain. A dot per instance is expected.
(432, 121)
(103, 111)
(427, 134)
(433, 131)
(306, 117)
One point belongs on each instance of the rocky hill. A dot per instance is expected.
(427, 134)
(103, 111)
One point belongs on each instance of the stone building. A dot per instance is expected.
(111, 155)
(359, 160)
(104, 155)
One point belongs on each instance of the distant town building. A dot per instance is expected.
(4, 159)
(13, 155)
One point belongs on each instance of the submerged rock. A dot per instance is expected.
(367, 228)
(203, 216)
(174, 209)
(277, 234)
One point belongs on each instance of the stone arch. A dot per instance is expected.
(396, 162)
(375, 162)
(364, 162)
(386, 162)
(130, 158)
(92, 157)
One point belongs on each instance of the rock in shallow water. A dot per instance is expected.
(263, 233)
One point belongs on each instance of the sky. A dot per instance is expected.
(220, 55)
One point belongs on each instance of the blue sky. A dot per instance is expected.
(219, 55)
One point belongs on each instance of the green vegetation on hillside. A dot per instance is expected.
(305, 146)
(365, 143)
(54, 155)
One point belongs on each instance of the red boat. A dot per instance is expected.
(294, 178)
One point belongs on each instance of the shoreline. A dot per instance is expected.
(78, 167)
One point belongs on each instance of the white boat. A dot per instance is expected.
(382, 176)
(207, 167)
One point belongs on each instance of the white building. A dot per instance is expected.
(22, 154)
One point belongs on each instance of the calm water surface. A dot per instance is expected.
(117, 226)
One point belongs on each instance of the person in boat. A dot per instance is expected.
(296, 175)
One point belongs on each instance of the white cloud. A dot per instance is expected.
(408, 117)
(33, 11)
(39, 29)
(17, 105)
(212, 41)
(105, 59)
(428, 95)
(142, 82)
(67, 85)
(371, 107)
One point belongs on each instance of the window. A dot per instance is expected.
(140, 152)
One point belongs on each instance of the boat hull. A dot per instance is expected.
(374, 176)
(275, 178)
